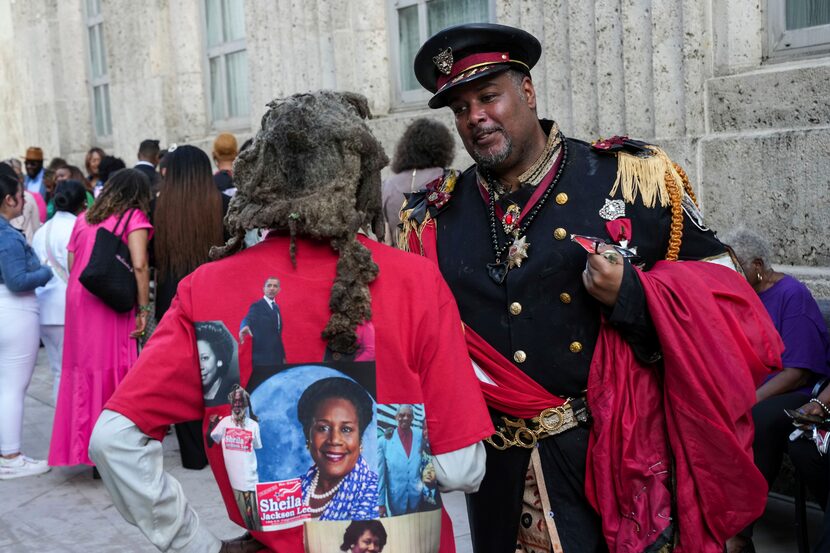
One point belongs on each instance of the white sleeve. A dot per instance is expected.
(462, 469)
(130, 463)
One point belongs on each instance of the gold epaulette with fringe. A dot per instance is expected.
(645, 170)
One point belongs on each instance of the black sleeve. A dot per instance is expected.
(630, 317)
(630, 314)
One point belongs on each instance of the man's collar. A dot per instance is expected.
(36, 177)
(147, 163)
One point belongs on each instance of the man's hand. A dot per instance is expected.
(243, 544)
(603, 275)
(244, 332)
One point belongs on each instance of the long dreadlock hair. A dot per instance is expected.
(125, 189)
(314, 169)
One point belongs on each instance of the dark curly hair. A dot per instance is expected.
(334, 387)
(220, 340)
(313, 168)
(356, 529)
(125, 189)
(425, 143)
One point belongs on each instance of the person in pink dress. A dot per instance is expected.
(100, 343)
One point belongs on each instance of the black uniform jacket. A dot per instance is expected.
(543, 311)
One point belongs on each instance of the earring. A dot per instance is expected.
(219, 363)
(760, 276)
(307, 444)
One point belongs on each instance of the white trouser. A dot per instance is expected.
(52, 338)
(19, 339)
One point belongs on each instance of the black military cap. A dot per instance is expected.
(460, 54)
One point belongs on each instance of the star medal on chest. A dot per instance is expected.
(518, 248)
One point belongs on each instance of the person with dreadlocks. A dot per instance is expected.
(312, 176)
(239, 435)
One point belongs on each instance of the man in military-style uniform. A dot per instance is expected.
(501, 234)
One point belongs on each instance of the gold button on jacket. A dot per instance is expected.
(561, 198)
(560, 233)
(515, 308)
(565, 297)
(575, 347)
(519, 356)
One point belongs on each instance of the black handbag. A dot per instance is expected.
(109, 273)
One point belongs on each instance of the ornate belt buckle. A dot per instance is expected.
(552, 419)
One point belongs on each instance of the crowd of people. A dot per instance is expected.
(51, 219)
(565, 335)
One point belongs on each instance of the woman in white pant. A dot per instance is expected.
(20, 274)
(50, 243)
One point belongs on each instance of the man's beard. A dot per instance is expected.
(492, 160)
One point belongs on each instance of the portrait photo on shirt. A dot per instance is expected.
(415, 533)
(262, 324)
(319, 460)
(238, 436)
(407, 481)
(218, 361)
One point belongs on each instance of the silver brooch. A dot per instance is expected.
(444, 61)
(612, 210)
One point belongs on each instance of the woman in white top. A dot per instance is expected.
(50, 242)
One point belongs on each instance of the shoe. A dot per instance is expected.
(20, 466)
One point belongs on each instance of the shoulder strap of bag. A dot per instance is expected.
(126, 223)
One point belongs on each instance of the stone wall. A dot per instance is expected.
(688, 74)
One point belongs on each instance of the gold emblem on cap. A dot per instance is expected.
(443, 61)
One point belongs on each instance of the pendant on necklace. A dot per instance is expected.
(497, 271)
(517, 252)
(510, 220)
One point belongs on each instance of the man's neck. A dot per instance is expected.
(532, 151)
(224, 165)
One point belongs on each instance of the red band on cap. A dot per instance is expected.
(474, 60)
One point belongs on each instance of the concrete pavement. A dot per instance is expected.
(66, 510)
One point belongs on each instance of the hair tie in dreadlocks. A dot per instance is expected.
(314, 169)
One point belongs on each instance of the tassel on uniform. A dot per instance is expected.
(644, 176)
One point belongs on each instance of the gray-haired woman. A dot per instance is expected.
(805, 360)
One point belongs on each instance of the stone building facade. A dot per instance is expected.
(723, 85)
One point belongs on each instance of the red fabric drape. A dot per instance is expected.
(514, 393)
(718, 342)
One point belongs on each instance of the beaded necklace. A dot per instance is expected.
(516, 249)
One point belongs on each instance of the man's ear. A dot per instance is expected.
(529, 92)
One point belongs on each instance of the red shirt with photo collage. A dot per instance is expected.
(420, 352)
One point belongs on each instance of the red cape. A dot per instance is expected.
(718, 342)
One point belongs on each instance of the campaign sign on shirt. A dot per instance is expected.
(281, 503)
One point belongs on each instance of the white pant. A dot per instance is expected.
(52, 338)
(19, 339)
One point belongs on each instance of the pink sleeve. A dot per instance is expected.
(138, 221)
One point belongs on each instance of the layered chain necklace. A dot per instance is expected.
(511, 254)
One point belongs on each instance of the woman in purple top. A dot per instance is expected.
(805, 361)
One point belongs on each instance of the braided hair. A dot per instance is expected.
(314, 169)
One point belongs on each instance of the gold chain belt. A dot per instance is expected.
(527, 432)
